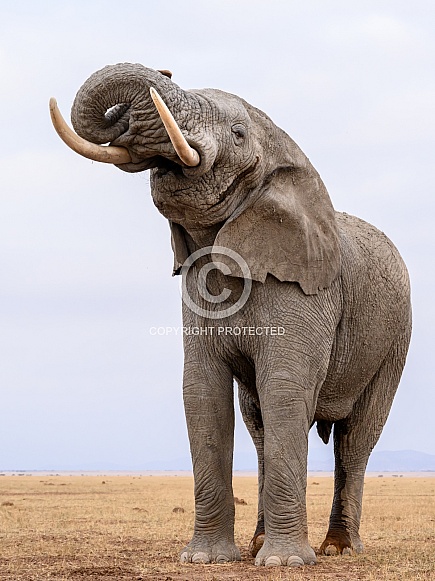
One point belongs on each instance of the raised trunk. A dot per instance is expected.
(114, 106)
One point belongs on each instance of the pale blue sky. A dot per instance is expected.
(85, 263)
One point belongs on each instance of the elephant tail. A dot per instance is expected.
(324, 430)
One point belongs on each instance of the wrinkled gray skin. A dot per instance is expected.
(334, 283)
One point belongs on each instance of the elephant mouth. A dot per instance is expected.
(164, 168)
(167, 168)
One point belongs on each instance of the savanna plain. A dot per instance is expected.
(133, 527)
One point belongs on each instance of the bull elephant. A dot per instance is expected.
(307, 309)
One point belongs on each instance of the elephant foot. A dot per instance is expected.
(204, 551)
(341, 543)
(285, 555)
(256, 544)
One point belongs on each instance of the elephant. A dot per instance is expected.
(307, 310)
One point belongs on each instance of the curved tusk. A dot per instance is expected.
(187, 154)
(105, 154)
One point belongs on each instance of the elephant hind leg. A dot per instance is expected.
(251, 414)
(354, 439)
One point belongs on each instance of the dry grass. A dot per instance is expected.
(55, 528)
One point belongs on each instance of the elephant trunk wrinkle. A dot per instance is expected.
(114, 105)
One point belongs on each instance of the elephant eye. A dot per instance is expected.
(239, 133)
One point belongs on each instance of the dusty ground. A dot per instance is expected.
(124, 527)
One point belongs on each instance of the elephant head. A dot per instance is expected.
(221, 172)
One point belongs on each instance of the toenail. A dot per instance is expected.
(295, 561)
(200, 557)
(273, 561)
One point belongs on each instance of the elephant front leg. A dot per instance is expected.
(251, 414)
(209, 407)
(286, 419)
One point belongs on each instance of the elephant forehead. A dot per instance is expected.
(221, 106)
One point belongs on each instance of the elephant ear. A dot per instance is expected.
(289, 231)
